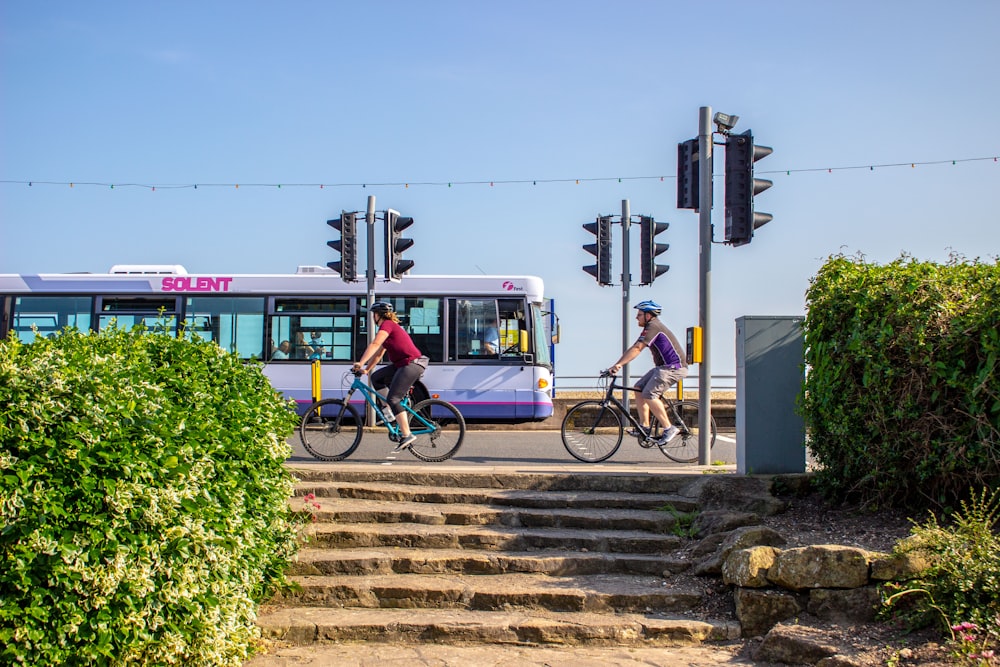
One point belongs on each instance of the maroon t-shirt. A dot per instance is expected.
(398, 346)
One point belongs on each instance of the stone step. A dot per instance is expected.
(502, 592)
(368, 535)
(306, 625)
(454, 557)
(360, 562)
(550, 499)
(688, 485)
(348, 510)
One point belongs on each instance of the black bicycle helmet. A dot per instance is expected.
(381, 307)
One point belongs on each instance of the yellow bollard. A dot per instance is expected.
(317, 388)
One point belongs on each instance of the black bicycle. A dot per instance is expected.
(592, 431)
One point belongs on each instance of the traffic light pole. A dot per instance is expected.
(370, 275)
(370, 270)
(705, 283)
(626, 284)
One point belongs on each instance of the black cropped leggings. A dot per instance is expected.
(399, 381)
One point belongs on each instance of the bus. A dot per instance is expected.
(490, 339)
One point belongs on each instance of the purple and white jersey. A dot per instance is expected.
(663, 345)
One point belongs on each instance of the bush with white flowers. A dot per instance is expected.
(143, 499)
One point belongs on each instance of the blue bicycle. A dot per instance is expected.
(331, 429)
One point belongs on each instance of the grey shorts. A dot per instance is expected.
(658, 380)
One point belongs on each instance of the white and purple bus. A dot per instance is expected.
(489, 338)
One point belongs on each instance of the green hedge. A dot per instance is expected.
(144, 500)
(902, 393)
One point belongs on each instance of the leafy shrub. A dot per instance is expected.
(902, 397)
(961, 586)
(143, 497)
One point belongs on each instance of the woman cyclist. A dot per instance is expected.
(406, 364)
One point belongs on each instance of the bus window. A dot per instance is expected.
(489, 329)
(313, 328)
(477, 331)
(542, 336)
(153, 313)
(514, 339)
(236, 324)
(421, 317)
(50, 314)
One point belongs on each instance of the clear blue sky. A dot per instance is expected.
(183, 93)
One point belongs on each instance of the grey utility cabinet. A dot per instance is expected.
(770, 357)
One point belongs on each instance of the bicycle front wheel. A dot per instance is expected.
(683, 447)
(441, 439)
(592, 432)
(331, 429)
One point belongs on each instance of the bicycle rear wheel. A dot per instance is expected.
(592, 432)
(683, 447)
(444, 437)
(331, 429)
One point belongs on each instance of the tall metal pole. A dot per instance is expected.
(370, 275)
(705, 283)
(370, 271)
(626, 284)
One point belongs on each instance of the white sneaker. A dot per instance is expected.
(667, 435)
(405, 443)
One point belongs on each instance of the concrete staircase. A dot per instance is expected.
(465, 557)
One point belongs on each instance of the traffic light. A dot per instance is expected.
(601, 249)
(346, 245)
(687, 174)
(396, 245)
(741, 187)
(649, 249)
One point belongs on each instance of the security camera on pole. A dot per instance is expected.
(694, 158)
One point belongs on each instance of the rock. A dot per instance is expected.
(741, 538)
(759, 610)
(899, 566)
(853, 604)
(722, 521)
(839, 661)
(748, 567)
(794, 644)
(742, 494)
(709, 545)
(820, 566)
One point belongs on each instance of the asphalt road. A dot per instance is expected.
(492, 448)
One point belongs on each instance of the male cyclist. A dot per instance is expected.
(670, 366)
(406, 365)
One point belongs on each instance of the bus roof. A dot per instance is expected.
(307, 280)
